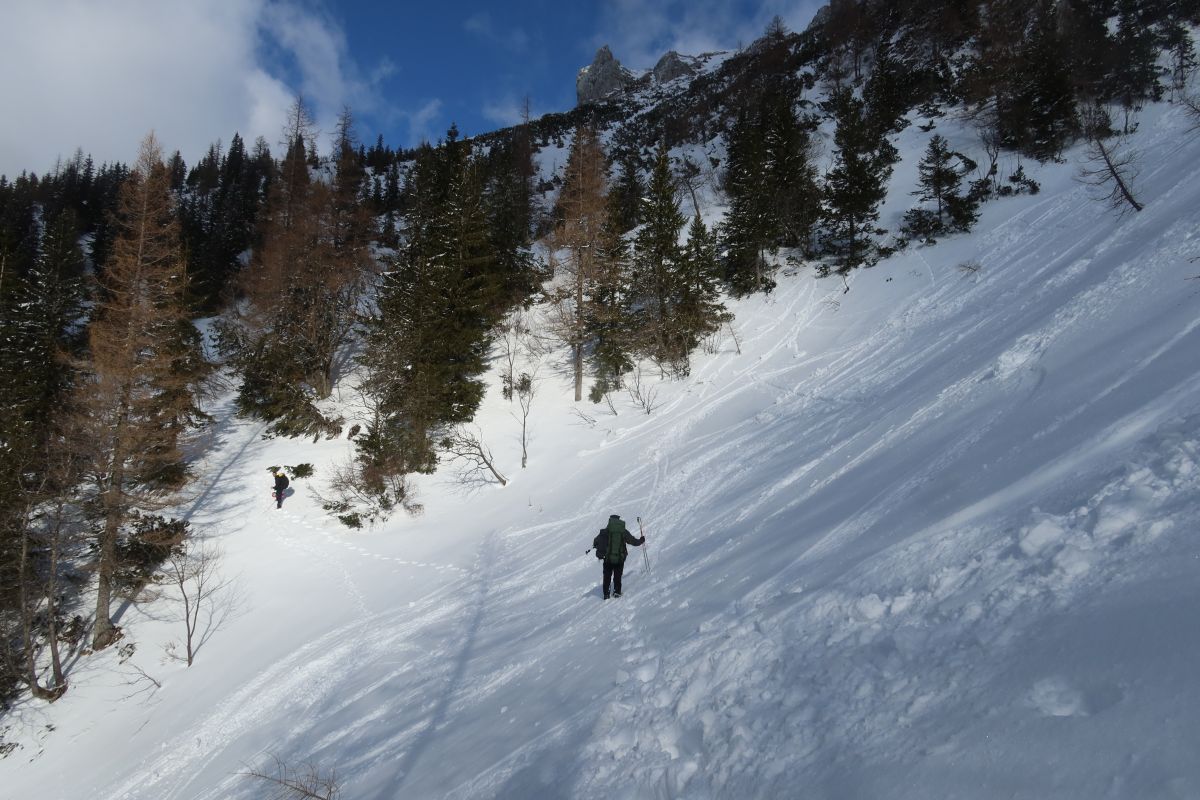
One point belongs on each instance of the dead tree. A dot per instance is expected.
(1108, 168)
(510, 336)
(1191, 104)
(205, 597)
(526, 388)
(642, 393)
(466, 447)
(304, 783)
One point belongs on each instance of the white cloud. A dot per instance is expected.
(420, 122)
(481, 24)
(101, 75)
(508, 109)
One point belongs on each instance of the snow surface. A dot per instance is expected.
(933, 537)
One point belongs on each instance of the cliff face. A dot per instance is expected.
(671, 66)
(601, 78)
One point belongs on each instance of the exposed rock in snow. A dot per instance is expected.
(671, 66)
(601, 78)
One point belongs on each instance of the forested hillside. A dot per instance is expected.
(345, 292)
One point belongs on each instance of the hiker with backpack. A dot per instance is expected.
(281, 484)
(611, 548)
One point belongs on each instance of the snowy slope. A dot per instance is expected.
(933, 537)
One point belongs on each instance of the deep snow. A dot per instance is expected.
(933, 537)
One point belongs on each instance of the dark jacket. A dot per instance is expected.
(615, 527)
(281, 482)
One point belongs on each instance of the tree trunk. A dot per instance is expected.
(30, 656)
(579, 329)
(56, 671)
(1115, 172)
(104, 632)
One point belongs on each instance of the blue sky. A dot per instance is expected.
(101, 75)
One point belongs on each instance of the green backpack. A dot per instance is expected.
(613, 539)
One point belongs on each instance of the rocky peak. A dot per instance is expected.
(671, 66)
(601, 78)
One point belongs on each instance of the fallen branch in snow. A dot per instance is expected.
(136, 682)
(467, 447)
(1191, 104)
(584, 418)
(306, 783)
(1108, 168)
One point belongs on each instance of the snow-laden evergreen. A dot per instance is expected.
(931, 537)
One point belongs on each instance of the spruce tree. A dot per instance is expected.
(1133, 77)
(508, 205)
(700, 311)
(609, 315)
(791, 177)
(937, 177)
(658, 268)
(856, 184)
(1037, 114)
(627, 193)
(751, 225)
(428, 342)
(38, 330)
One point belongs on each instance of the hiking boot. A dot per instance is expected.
(616, 594)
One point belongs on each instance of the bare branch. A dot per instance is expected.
(466, 448)
(526, 387)
(1108, 168)
(584, 418)
(206, 599)
(305, 783)
(642, 394)
(1191, 104)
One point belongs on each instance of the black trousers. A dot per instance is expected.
(612, 572)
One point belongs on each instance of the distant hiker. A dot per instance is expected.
(610, 546)
(281, 484)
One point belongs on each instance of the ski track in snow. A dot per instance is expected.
(916, 537)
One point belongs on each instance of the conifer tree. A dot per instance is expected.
(427, 344)
(700, 311)
(627, 193)
(38, 321)
(658, 270)
(304, 287)
(751, 224)
(583, 211)
(1134, 73)
(791, 177)
(856, 184)
(508, 204)
(137, 399)
(938, 178)
(609, 314)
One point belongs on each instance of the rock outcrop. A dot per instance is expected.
(602, 77)
(670, 67)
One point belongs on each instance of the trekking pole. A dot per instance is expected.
(645, 553)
